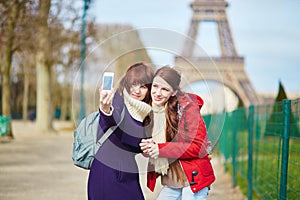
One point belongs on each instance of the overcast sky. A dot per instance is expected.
(265, 32)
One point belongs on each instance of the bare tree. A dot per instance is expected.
(27, 49)
(63, 53)
(29, 77)
(44, 110)
(10, 11)
(66, 48)
(47, 35)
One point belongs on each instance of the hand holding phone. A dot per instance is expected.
(106, 92)
(107, 82)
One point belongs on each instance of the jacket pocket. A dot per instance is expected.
(205, 167)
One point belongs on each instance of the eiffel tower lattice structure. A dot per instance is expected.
(228, 68)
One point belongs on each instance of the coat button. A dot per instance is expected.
(194, 188)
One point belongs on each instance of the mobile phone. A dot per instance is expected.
(108, 79)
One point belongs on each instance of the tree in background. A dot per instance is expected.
(45, 55)
(274, 126)
(44, 110)
(58, 43)
(281, 95)
(116, 47)
(11, 13)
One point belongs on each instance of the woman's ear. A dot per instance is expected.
(174, 93)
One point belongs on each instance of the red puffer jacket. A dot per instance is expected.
(191, 146)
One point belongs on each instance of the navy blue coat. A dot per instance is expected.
(114, 171)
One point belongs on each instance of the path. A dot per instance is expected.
(39, 167)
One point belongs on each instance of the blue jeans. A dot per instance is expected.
(185, 193)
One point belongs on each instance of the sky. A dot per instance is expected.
(265, 32)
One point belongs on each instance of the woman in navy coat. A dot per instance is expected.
(114, 172)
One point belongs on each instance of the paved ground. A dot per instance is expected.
(39, 167)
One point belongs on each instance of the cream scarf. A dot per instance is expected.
(137, 109)
(161, 165)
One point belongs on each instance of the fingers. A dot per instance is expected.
(105, 100)
(111, 95)
(153, 151)
(149, 149)
(147, 141)
(145, 144)
(143, 141)
(144, 148)
(106, 96)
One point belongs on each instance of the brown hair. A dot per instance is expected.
(173, 78)
(138, 73)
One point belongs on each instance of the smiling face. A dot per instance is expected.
(138, 91)
(161, 91)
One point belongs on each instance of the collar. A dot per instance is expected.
(137, 109)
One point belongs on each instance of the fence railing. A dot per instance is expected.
(261, 148)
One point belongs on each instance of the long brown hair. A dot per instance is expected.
(138, 73)
(173, 78)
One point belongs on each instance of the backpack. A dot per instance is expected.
(85, 144)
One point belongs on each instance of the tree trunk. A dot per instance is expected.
(64, 102)
(6, 110)
(44, 111)
(26, 92)
(6, 84)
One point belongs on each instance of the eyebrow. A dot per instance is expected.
(163, 86)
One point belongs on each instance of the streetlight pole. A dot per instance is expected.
(82, 102)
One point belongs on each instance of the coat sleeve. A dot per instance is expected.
(107, 121)
(132, 133)
(132, 141)
(192, 142)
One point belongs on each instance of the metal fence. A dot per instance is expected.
(261, 148)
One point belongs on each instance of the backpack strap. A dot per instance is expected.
(109, 131)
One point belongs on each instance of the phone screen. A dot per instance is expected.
(107, 82)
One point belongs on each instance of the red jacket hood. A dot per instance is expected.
(187, 98)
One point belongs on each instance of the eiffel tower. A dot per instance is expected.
(228, 68)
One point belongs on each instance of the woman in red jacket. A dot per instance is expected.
(177, 150)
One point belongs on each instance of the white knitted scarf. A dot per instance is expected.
(137, 109)
(161, 165)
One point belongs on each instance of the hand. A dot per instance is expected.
(149, 148)
(144, 145)
(105, 100)
(153, 151)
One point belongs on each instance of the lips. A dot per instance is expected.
(157, 99)
(135, 96)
